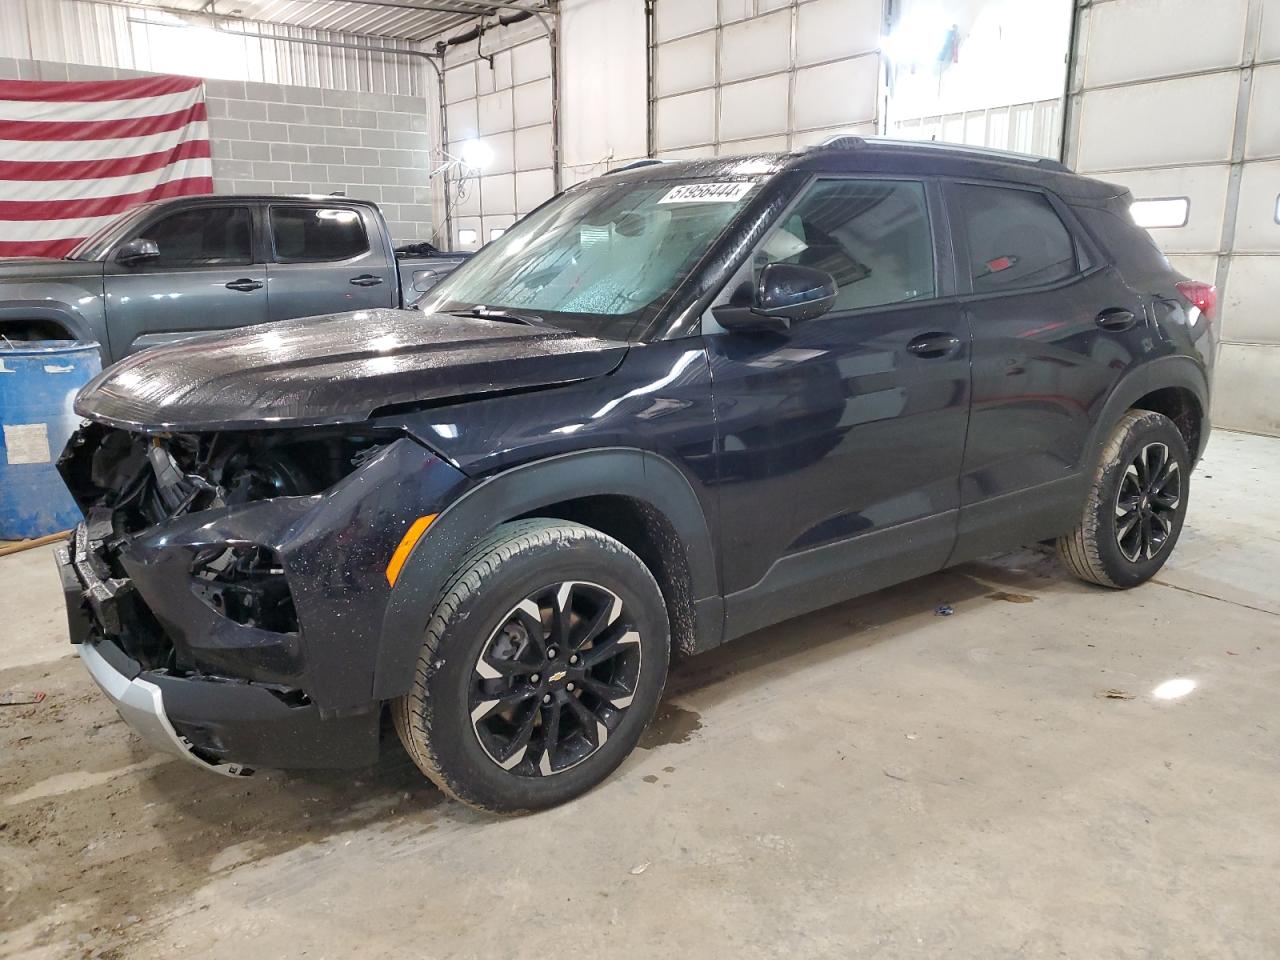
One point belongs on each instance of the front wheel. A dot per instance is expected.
(542, 664)
(1135, 506)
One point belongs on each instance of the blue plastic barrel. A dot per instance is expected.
(38, 383)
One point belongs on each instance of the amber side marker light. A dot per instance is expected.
(407, 543)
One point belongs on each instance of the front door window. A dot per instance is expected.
(872, 236)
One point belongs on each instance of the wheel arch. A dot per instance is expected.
(648, 533)
(1183, 407)
(638, 497)
(40, 315)
(52, 317)
(1174, 386)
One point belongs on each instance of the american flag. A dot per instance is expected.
(73, 156)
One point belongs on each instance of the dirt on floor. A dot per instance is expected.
(91, 817)
(99, 831)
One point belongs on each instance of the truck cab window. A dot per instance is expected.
(317, 234)
(202, 237)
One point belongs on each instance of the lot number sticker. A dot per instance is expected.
(708, 192)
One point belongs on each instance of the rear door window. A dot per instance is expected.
(1013, 238)
(315, 234)
(202, 237)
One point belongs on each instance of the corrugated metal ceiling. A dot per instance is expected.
(401, 19)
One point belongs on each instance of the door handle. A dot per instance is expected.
(365, 280)
(1116, 319)
(933, 346)
(245, 285)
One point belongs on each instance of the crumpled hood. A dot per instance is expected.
(40, 268)
(339, 368)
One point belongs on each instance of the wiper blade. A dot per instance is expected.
(500, 314)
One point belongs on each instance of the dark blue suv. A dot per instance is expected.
(673, 405)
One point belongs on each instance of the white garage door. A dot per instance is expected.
(1189, 116)
(498, 92)
(735, 76)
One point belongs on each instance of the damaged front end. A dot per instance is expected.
(226, 587)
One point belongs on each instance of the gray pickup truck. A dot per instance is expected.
(173, 268)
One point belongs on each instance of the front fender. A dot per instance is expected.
(520, 491)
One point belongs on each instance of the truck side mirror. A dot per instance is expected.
(787, 293)
(138, 251)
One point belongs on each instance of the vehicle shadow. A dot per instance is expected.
(873, 619)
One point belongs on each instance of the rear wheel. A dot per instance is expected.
(542, 665)
(1135, 507)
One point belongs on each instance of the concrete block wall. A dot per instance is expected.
(268, 138)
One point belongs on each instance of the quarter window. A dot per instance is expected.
(1015, 238)
(872, 236)
(202, 237)
(312, 234)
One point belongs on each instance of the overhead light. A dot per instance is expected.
(466, 237)
(1161, 212)
(476, 154)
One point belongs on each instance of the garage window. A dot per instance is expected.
(202, 237)
(872, 236)
(1014, 238)
(317, 234)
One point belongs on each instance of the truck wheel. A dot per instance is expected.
(1134, 509)
(542, 664)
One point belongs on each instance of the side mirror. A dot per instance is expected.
(787, 293)
(138, 251)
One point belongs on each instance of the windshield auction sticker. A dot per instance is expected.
(728, 192)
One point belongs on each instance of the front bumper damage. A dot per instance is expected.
(141, 703)
(191, 677)
(205, 719)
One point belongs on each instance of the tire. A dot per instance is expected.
(1111, 546)
(485, 654)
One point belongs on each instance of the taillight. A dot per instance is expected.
(1202, 295)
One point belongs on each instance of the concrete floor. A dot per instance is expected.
(870, 781)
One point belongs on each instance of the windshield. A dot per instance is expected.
(95, 247)
(600, 260)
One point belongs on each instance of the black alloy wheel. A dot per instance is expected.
(1147, 502)
(555, 679)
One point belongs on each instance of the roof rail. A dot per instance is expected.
(634, 165)
(849, 142)
(842, 141)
